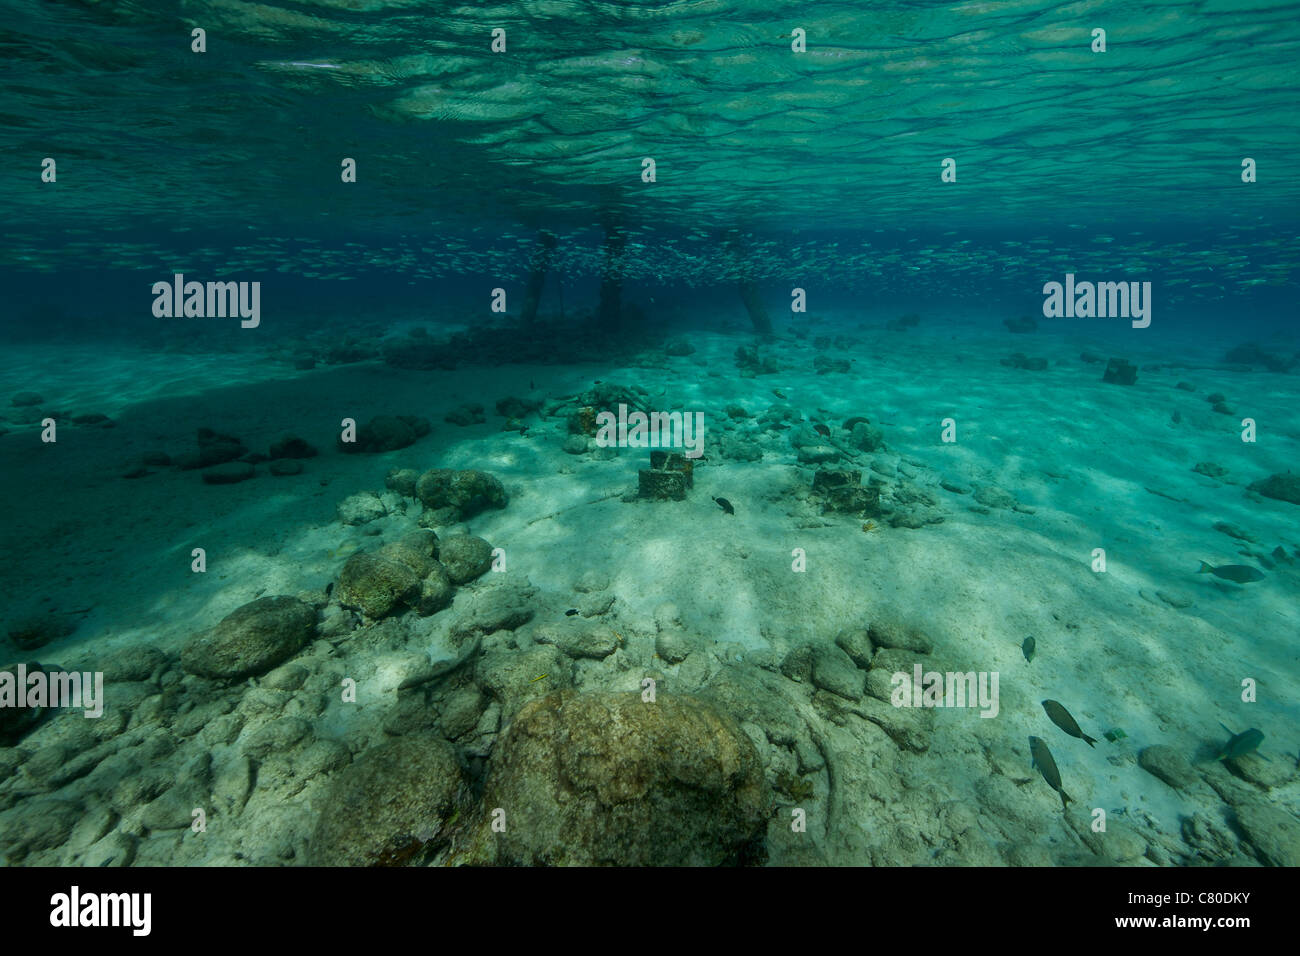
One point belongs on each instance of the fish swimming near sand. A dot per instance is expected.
(1047, 767)
(1239, 745)
(822, 430)
(725, 505)
(1061, 717)
(1027, 648)
(1239, 573)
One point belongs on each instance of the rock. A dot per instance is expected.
(228, 474)
(1120, 372)
(489, 609)
(1282, 487)
(891, 633)
(605, 779)
(516, 677)
(386, 433)
(1233, 531)
(512, 407)
(1169, 765)
(825, 365)
(460, 712)
(291, 446)
(436, 591)
(1020, 360)
(835, 671)
(401, 574)
(797, 665)
(739, 449)
(284, 467)
(214, 449)
(578, 638)
(856, 642)
(35, 631)
(26, 399)
(1022, 325)
(137, 662)
(575, 445)
(251, 639)
(672, 645)
(286, 677)
(1251, 353)
(390, 807)
(866, 437)
(1271, 830)
(361, 508)
(461, 493)
(659, 485)
(403, 481)
(908, 727)
(37, 824)
(840, 491)
(93, 418)
(1209, 838)
(465, 557)
(1210, 469)
(678, 347)
(465, 415)
(818, 454)
(591, 580)
(991, 496)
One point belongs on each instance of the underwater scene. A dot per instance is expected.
(688, 433)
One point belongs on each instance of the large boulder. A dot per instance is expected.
(390, 807)
(402, 574)
(608, 779)
(251, 639)
(386, 433)
(465, 557)
(461, 494)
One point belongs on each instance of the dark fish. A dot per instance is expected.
(570, 612)
(1240, 573)
(1061, 717)
(778, 393)
(1047, 767)
(1241, 744)
(725, 505)
(1027, 648)
(822, 430)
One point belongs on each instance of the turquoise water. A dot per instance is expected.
(828, 234)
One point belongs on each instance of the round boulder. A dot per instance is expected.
(251, 639)
(389, 807)
(608, 779)
(465, 557)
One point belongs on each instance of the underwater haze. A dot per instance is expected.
(649, 433)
